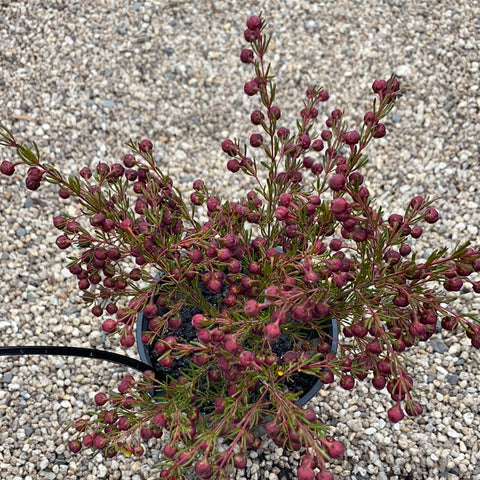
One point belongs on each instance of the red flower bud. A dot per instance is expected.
(335, 450)
(379, 85)
(63, 242)
(274, 113)
(246, 56)
(254, 22)
(379, 130)
(257, 117)
(74, 446)
(305, 473)
(239, 461)
(203, 469)
(145, 146)
(256, 140)
(251, 88)
(431, 215)
(7, 168)
(352, 137)
(395, 414)
(338, 205)
(229, 148)
(336, 182)
(413, 408)
(416, 202)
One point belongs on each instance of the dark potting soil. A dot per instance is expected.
(187, 333)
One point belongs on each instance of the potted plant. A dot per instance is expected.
(236, 303)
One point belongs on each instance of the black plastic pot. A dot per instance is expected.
(314, 384)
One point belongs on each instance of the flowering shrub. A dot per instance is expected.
(237, 310)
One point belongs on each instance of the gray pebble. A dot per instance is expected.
(452, 379)
(108, 103)
(31, 297)
(71, 311)
(28, 203)
(438, 345)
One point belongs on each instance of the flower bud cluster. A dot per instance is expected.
(123, 422)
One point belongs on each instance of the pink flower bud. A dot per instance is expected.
(379, 85)
(246, 56)
(109, 325)
(304, 141)
(283, 133)
(254, 22)
(127, 340)
(100, 442)
(317, 145)
(274, 113)
(336, 182)
(7, 168)
(257, 117)
(335, 450)
(395, 414)
(169, 451)
(74, 446)
(145, 146)
(416, 202)
(239, 461)
(281, 213)
(256, 140)
(305, 473)
(413, 408)
(233, 165)
(252, 308)
(379, 130)
(326, 134)
(63, 242)
(338, 205)
(352, 137)
(272, 331)
(230, 148)
(251, 88)
(431, 215)
(203, 469)
(246, 357)
(159, 420)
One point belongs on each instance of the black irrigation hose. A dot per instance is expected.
(76, 352)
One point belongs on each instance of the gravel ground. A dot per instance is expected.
(81, 77)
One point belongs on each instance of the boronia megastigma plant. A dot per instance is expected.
(237, 314)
